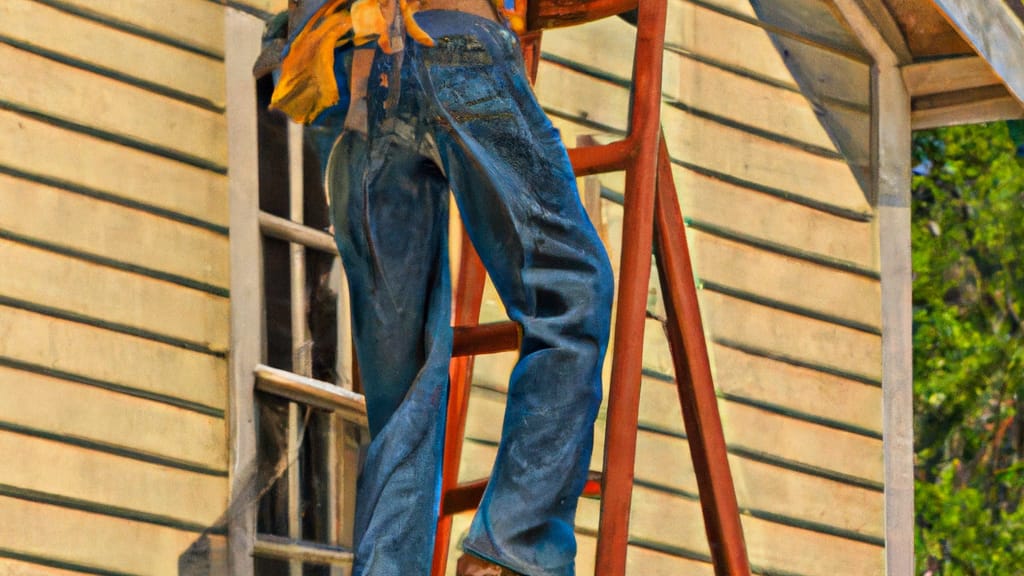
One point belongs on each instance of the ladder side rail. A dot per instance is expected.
(694, 382)
(469, 291)
(634, 274)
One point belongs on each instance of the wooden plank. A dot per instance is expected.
(267, 6)
(812, 20)
(705, 34)
(640, 561)
(11, 567)
(891, 148)
(765, 489)
(792, 336)
(61, 155)
(801, 390)
(734, 43)
(81, 97)
(702, 86)
(755, 430)
(894, 185)
(996, 34)
(109, 295)
(111, 49)
(973, 112)
(713, 145)
(477, 460)
(86, 413)
(824, 75)
(113, 232)
(710, 203)
(772, 546)
(948, 75)
(762, 274)
(697, 30)
(746, 101)
(753, 158)
(196, 23)
(653, 563)
(118, 359)
(745, 427)
(775, 221)
(927, 31)
(884, 20)
(617, 39)
(805, 500)
(94, 540)
(247, 299)
(67, 471)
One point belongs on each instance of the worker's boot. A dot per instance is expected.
(470, 565)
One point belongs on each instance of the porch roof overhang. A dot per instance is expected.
(962, 60)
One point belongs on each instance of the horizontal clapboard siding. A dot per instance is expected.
(193, 25)
(107, 420)
(114, 298)
(113, 234)
(124, 486)
(697, 140)
(88, 101)
(93, 45)
(767, 116)
(259, 7)
(13, 567)
(38, 150)
(105, 296)
(88, 542)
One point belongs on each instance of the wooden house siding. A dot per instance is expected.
(768, 124)
(114, 291)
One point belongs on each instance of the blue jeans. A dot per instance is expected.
(461, 114)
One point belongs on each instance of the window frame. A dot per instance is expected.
(248, 372)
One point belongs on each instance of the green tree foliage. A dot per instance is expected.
(968, 240)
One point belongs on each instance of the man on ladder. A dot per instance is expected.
(439, 100)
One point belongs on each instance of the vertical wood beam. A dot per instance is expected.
(892, 183)
(242, 32)
(891, 149)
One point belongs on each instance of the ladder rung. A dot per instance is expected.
(485, 339)
(467, 496)
(587, 160)
(463, 497)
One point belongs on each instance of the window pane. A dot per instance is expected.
(277, 294)
(273, 152)
(268, 567)
(315, 489)
(272, 452)
(322, 284)
(316, 570)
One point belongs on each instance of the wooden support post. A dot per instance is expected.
(891, 183)
(246, 281)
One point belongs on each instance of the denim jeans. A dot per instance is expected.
(461, 115)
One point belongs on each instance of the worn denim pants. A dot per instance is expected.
(461, 115)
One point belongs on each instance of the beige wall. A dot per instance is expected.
(113, 290)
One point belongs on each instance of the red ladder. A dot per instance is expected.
(652, 220)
